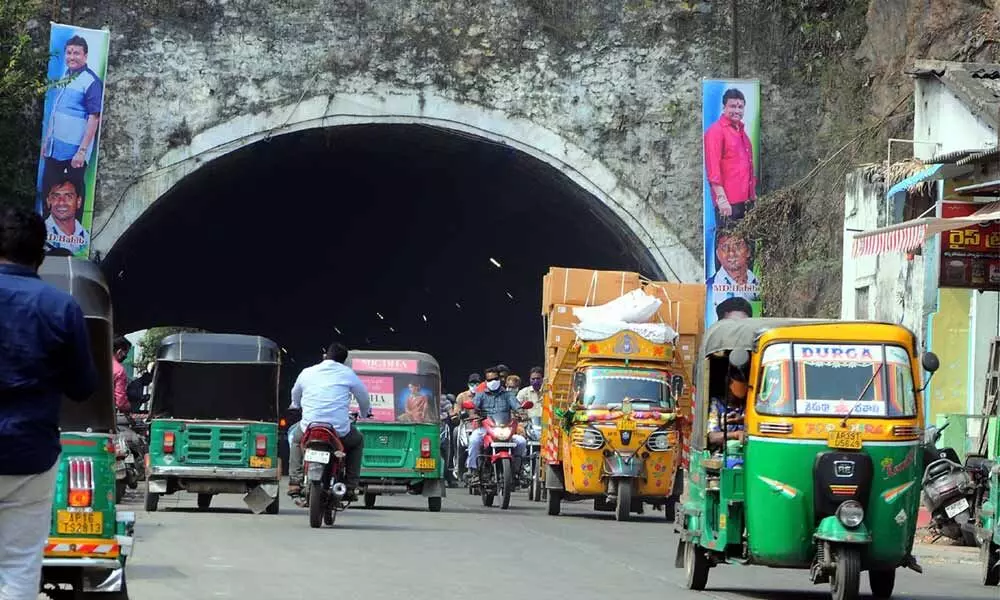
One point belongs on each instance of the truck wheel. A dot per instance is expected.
(370, 500)
(695, 566)
(624, 505)
(555, 501)
(204, 501)
(882, 582)
(989, 553)
(846, 581)
(152, 501)
(434, 504)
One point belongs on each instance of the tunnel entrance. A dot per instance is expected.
(380, 235)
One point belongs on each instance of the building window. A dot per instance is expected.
(861, 303)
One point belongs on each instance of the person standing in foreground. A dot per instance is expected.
(44, 355)
(323, 392)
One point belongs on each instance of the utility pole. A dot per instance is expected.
(734, 49)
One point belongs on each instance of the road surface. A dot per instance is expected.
(399, 550)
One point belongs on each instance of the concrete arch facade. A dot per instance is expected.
(389, 107)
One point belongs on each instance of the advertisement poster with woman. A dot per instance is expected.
(731, 144)
(74, 106)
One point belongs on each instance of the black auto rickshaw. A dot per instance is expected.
(214, 428)
(89, 540)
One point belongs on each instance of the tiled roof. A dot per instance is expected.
(977, 85)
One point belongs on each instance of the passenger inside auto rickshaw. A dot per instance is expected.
(725, 417)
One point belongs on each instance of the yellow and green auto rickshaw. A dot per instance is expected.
(214, 428)
(825, 474)
(89, 540)
(402, 452)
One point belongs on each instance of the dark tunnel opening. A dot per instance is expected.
(383, 233)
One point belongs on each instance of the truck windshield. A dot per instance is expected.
(607, 387)
(827, 380)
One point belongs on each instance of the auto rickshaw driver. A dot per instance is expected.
(725, 417)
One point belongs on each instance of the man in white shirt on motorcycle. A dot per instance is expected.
(324, 392)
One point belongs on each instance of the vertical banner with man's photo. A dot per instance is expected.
(74, 105)
(731, 137)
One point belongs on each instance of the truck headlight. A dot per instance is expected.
(851, 514)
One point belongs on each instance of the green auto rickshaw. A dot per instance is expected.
(825, 474)
(89, 540)
(402, 452)
(214, 428)
(988, 471)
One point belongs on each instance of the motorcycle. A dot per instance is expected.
(325, 467)
(530, 469)
(496, 461)
(947, 490)
(130, 452)
(461, 446)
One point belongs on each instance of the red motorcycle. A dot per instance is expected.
(325, 467)
(496, 460)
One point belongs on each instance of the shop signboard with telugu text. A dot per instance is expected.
(71, 126)
(731, 144)
(970, 256)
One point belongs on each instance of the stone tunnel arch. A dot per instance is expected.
(394, 107)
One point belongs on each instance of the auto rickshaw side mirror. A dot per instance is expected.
(739, 359)
(929, 361)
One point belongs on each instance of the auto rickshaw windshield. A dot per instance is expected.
(607, 387)
(863, 380)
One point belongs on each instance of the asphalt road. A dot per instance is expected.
(399, 550)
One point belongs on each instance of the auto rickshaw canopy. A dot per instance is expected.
(84, 281)
(207, 376)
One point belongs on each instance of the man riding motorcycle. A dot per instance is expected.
(498, 404)
(323, 392)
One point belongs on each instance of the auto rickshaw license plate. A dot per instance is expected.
(426, 464)
(260, 462)
(79, 523)
(843, 439)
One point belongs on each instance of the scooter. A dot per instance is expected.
(948, 491)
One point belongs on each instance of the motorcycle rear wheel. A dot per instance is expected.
(317, 505)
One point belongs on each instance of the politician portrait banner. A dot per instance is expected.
(74, 105)
(731, 144)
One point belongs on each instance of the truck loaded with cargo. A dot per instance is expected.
(617, 400)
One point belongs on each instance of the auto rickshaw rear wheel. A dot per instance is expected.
(555, 501)
(204, 501)
(274, 507)
(152, 501)
(696, 567)
(434, 504)
(989, 554)
(882, 582)
(370, 500)
(846, 581)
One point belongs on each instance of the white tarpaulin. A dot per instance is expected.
(634, 307)
(658, 333)
(910, 235)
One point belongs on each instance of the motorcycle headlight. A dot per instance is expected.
(851, 514)
(501, 434)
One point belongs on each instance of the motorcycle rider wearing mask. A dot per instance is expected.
(498, 404)
(532, 393)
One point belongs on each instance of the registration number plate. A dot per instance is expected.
(317, 456)
(260, 462)
(843, 439)
(626, 425)
(426, 464)
(79, 523)
(957, 508)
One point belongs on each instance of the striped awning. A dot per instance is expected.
(908, 236)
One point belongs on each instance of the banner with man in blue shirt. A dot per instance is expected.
(74, 106)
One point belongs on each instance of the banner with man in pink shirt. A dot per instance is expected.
(731, 125)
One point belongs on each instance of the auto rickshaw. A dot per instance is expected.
(89, 539)
(402, 452)
(989, 528)
(214, 428)
(826, 474)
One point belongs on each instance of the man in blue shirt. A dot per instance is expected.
(323, 392)
(44, 355)
(498, 404)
